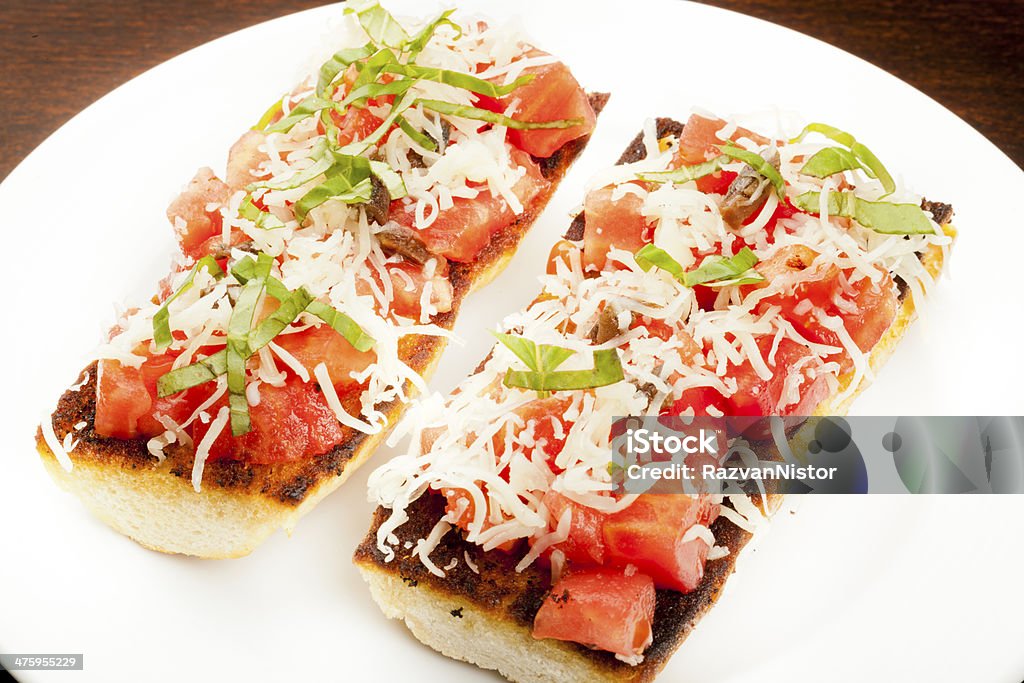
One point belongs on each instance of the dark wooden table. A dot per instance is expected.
(61, 55)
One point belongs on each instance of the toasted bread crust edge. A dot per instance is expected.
(242, 504)
(498, 605)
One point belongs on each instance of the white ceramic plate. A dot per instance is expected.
(879, 588)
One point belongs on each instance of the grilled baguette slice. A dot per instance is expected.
(241, 504)
(485, 617)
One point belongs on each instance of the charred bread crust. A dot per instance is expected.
(509, 599)
(505, 601)
(287, 486)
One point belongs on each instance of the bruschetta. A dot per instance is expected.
(713, 272)
(318, 281)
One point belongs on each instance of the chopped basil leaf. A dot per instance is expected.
(883, 217)
(757, 162)
(347, 180)
(263, 220)
(370, 140)
(685, 174)
(371, 69)
(543, 359)
(297, 179)
(869, 162)
(607, 370)
(723, 270)
(456, 79)
(417, 43)
(338, 63)
(202, 371)
(269, 115)
(291, 306)
(360, 94)
(537, 357)
(343, 325)
(302, 110)
(477, 114)
(419, 137)
(832, 160)
(714, 271)
(380, 26)
(650, 256)
(161, 319)
(239, 328)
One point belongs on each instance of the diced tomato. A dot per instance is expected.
(560, 252)
(121, 400)
(585, 545)
(193, 224)
(408, 281)
(650, 535)
(698, 142)
(539, 416)
(716, 183)
(461, 232)
(867, 310)
(462, 509)
(289, 423)
(601, 608)
(612, 223)
(325, 345)
(758, 397)
(552, 95)
(355, 124)
(699, 399)
(127, 402)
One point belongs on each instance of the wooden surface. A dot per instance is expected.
(59, 56)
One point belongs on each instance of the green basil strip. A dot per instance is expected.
(269, 115)
(725, 270)
(456, 79)
(757, 162)
(357, 148)
(302, 110)
(370, 90)
(391, 179)
(298, 179)
(650, 256)
(714, 271)
(348, 180)
(832, 160)
(607, 370)
(343, 325)
(685, 174)
(370, 70)
(476, 114)
(883, 217)
(338, 63)
(291, 306)
(417, 136)
(380, 26)
(239, 328)
(541, 358)
(264, 220)
(420, 40)
(869, 162)
(202, 371)
(162, 318)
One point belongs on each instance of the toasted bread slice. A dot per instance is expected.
(482, 611)
(241, 504)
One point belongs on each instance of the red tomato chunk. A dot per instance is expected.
(602, 608)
